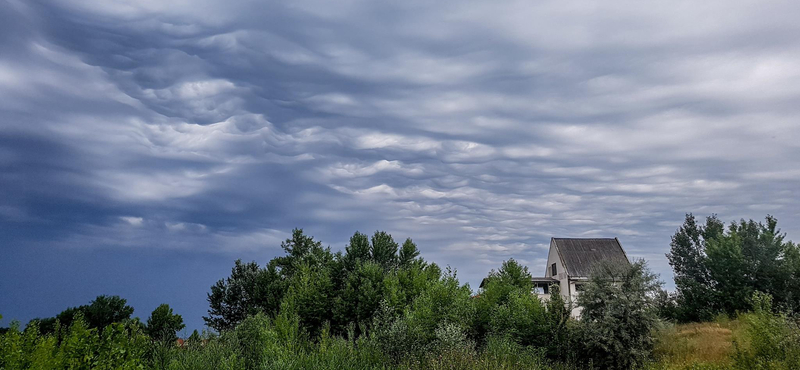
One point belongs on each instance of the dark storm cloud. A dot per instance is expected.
(184, 130)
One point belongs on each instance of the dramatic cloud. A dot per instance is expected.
(154, 142)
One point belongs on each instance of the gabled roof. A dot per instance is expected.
(580, 255)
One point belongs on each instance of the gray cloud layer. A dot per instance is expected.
(480, 129)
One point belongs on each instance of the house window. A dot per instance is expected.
(541, 288)
(553, 270)
(579, 287)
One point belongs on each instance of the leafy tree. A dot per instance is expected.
(497, 287)
(522, 318)
(716, 270)
(310, 297)
(163, 324)
(384, 250)
(693, 279)
(301, 249)
(618, 315)
(558, 323)
(358, 250)
(247, 291)
(106, 310)
(444, 302)
(361, 294)
(751, 257)
(408, 253)
(194, 338)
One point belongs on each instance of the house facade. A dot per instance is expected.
(570, 262)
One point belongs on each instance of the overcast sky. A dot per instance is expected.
(146, 144)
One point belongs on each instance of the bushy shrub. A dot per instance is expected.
(768, 340)
(618, 316)
(522, 318)
(117, 346)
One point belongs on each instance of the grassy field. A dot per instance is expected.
(752, 341)
(696, 344)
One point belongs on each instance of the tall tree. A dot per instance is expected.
(301, 249)
(384, 249)
(163, 325)
(688, 260)
(497, 288)
(361, 294)
(717, 270)
(356, 251)
(247, 291)
(105, 310)
(408, 253)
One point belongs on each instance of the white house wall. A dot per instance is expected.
(561, 272)
(568, 291)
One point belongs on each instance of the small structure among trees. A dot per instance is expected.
(571, 262)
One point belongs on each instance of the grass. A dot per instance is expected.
(696, 345)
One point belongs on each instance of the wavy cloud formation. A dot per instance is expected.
(203, 131)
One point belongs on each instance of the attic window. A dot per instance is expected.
(553, 270)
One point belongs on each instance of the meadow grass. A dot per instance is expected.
(709, 343)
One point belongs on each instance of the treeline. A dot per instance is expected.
(718, 269)
(378, 304)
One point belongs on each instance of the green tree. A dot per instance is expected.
(497, 287)
(716, 270)
(687, 256)
(247, 291)
(522, 318)
(301, 249)
(408, 253)
(384, 250)
(163, 325)
(618, 316)
(357, 251)
(310, 297)
(106, 310)
(361, 295)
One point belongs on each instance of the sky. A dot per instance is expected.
(146, 144)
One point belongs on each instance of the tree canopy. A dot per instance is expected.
(717, 269)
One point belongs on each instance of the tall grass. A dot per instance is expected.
(755, 340)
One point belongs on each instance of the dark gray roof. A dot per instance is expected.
(579, 255)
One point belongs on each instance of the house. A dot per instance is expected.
(570, 262)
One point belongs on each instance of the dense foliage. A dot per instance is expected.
(379, 305)
(618, 315)
(718, 269)
(163, 324)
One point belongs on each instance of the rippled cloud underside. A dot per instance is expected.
(144, 144)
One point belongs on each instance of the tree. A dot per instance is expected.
(522, 318)
(301, 249)
(687, 257)
(361, 294)
(310, 297)
(384, 250)
(618, 315)
(358, 250)
(247, 291)
(163, 324)
(194, 338)
(497, 287)
(716, 270)
(105, 310)
(408, 253)
(750, 257)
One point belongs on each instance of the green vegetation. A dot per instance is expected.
(718, 270)
(378, 305)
